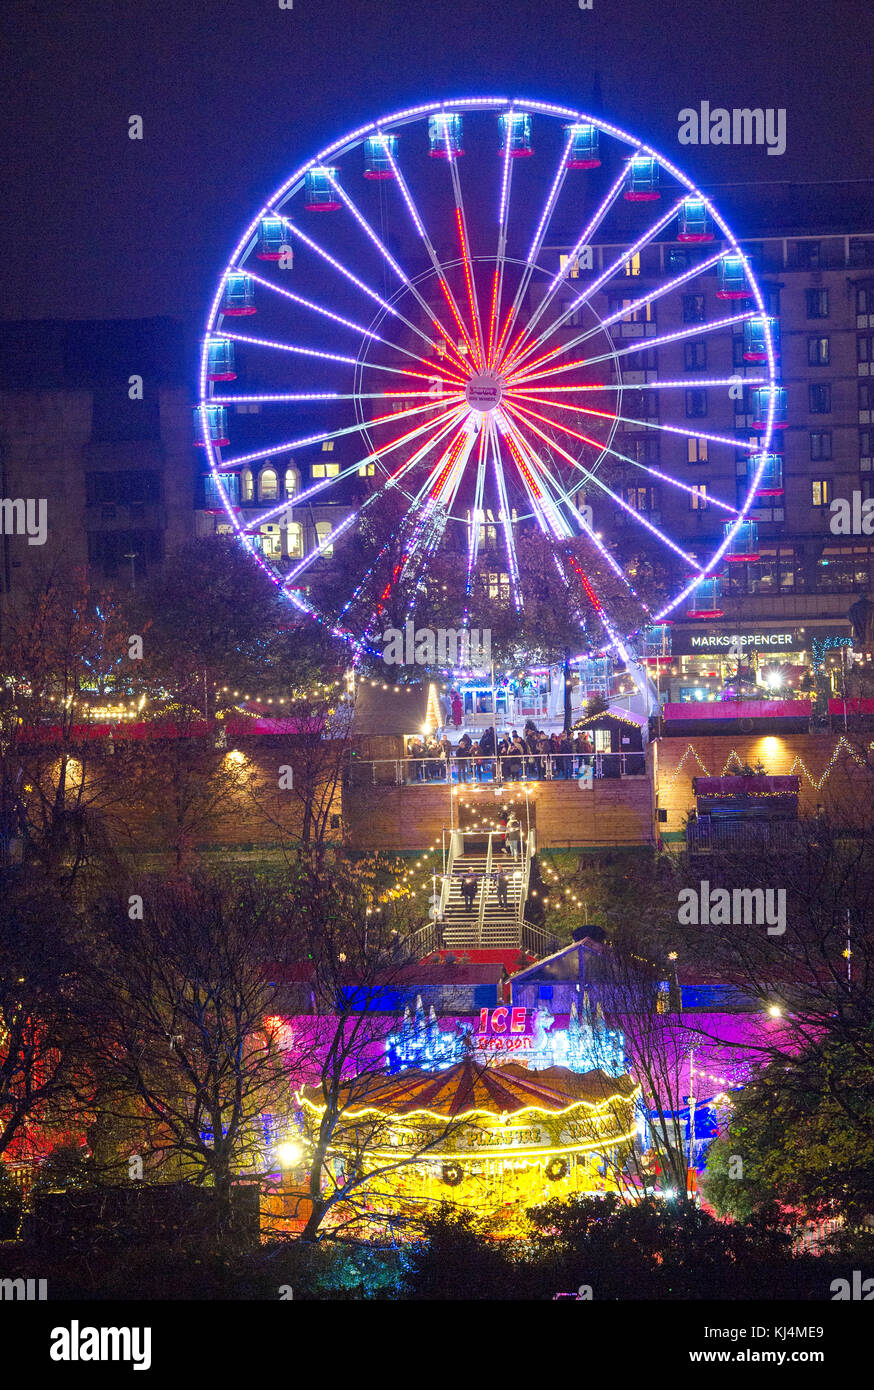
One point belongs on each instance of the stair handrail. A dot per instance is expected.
(526, 875)
(447, 879)
(481, 911)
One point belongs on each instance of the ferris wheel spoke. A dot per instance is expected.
(536, 244)
(695, 330)
(338, 318)
(542, 501)
(327, 483)
(476, 346)
(429, 247)
(320, 438)
(343, 526)
(504, 515)
(567, 499)
(500, 258)
(393, 265)
(474, 525)
(531, 399)
(599, 483)
(512, 364)
(434, 374)
(655, 294)
(343, 270)
(416, 501)
(562, 274)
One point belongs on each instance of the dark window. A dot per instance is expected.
(820, 445)
(808, 255)
(694, 355)
(131, 487)
(679, 258)
(693, 308)
(820, 399)
(817, 303)
(696, 402)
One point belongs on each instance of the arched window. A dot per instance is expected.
(247, 489)
(323, 530)
(295, 540)
(268, 485)
(292, 481)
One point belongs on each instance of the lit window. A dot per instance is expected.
(632, 265)
(327, 446)
(698, 499)
(325, 470)
(294, 532)
(366, 470)
(696, 450)
(574, 272)
(820, 491)
(292, 481)
(247, 489)
(268, 485)
(323, 530)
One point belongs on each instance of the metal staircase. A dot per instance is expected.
(487, 925)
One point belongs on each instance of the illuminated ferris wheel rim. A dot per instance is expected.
(520, 106)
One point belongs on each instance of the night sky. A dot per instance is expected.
(234, 94)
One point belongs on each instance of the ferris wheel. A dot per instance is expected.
(482, 316)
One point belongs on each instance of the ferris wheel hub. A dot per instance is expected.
(484, 392)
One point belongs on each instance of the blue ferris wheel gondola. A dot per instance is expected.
(239, 296)
(210, 421)
(584, 151)
(760, 401)
(733, 279)
(756, 339)
(216, 493)
(444, 136)
(642, 179)
(744, 544)
(220, 362)
(272, 239)
(320, 193)
(379, 151)
(515, 134)
(770, 483)
(706, 599)
(694, 221)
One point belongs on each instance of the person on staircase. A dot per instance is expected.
(514, 836)
(468, 890)
(501, 885)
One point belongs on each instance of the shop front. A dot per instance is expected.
(718, 662)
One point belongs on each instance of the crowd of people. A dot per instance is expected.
(531, 754)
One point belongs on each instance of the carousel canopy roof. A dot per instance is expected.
(470, 1087)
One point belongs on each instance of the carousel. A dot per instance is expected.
(493, 1139)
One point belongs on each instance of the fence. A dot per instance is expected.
(530, 767)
